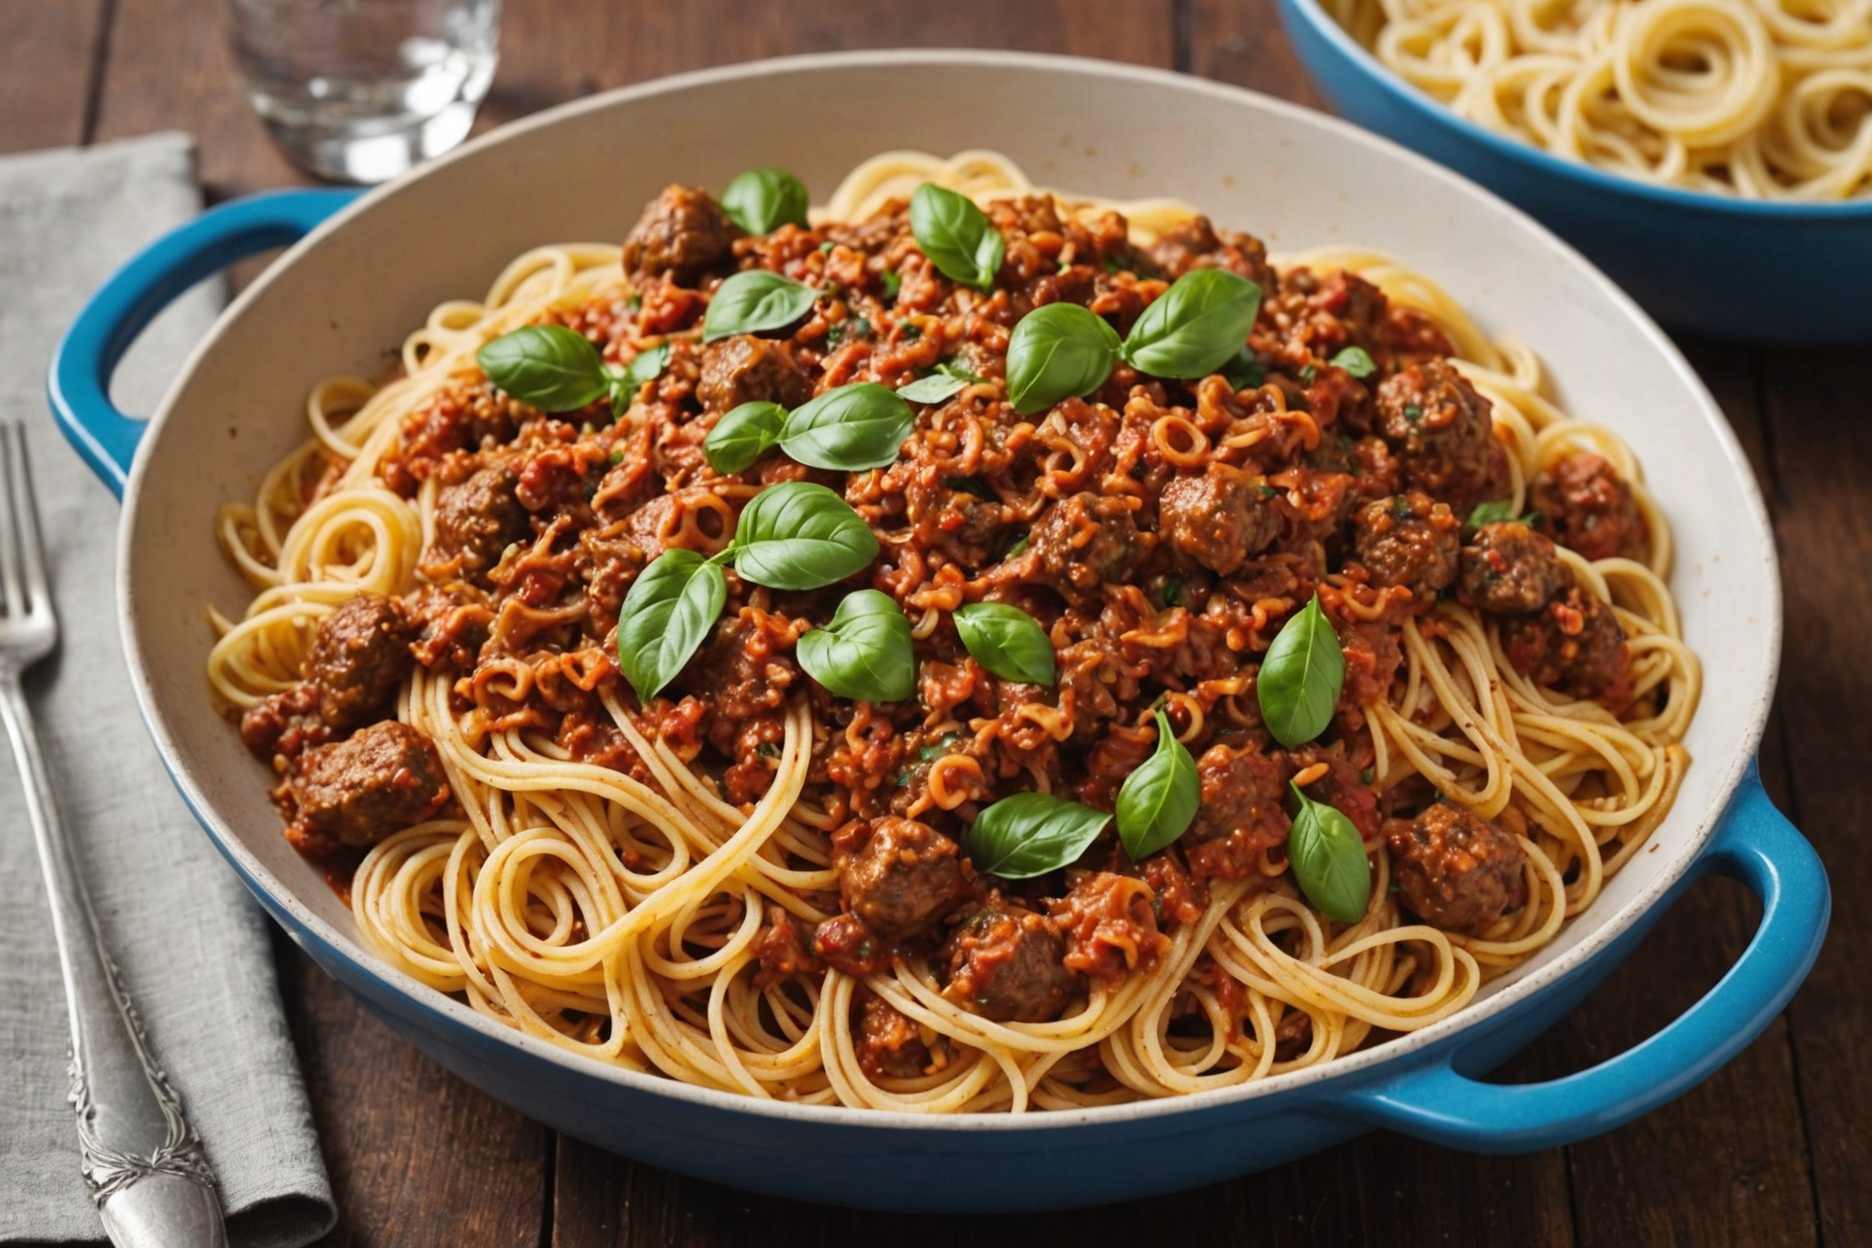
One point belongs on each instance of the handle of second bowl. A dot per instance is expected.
(1754, 844)
(78, 381)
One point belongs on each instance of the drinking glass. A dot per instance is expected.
(361, 90)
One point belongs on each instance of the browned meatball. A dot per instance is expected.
(476, 520)
(359, 655)
(744, 671)
(1218, 519)
(889, 1044)
(1454, 870)
(1443, 434)
(1590, 508)
(1008, 964)
(905, 878)
(1574, 645)
(355, 792)
(682, 232)
(1509, 569)
(1086, 540)
(1243, 811)
(746, 369)
(1409, 540)
(1195, 244)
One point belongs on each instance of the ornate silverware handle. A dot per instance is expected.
(141, 1159)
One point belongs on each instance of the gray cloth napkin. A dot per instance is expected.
(193, 945)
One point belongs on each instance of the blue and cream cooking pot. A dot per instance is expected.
(362, 271)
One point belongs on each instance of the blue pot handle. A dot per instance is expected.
(1754, 844)
(78, 382)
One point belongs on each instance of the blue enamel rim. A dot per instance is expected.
(1429, 110)
(1431, 1092)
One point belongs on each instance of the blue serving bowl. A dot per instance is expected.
(1709, 264)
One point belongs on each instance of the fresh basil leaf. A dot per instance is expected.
(800, 535)
(1244, 369)
(1495, 511)
(1300, 677)
(934, 388)
(1157, 802)
(1019, 547)
(865, 652)
(1031, 834)
(1193, 329)
(1328, 860)
(763, 200)
(743, 435)
(1355, 360)
(956, 236)
(756, 300)
(627, 381)
(553, 368)
(1007, 641)
(1058, 351)
(848, 429)
(666, 616)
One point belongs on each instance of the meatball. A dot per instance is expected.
(355, 792)
(1409, 540)
(1086, 540)
(784, 949)
(359, 655)
(1443, 433)
(1008, 964)
(682, 232)
(1218, 519)
(1243, 811)
(889, 1044)
(743, 672)
(1590, 509)
(476, 520)
(1454, 870)
(907, 876)
(1509, 569)
(1194, 244)
(1575, 645)
(746, 369)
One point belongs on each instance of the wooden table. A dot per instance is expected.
(1776, 1149)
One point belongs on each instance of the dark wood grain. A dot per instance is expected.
(46, 72)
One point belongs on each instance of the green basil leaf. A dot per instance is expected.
(1244, 369)
(1494, 511)
(865, 652)
(848, 429)
(956, 236)
(756, 300)
(553, 368)
(1007, 641)
(1195, 327)
(1355, 360)
(743, 435)
(627, 381)
(1300, 677)
(799, 535)
(1058, 352)
(933, 389)
(1328, 860)
(1157, 802)
(666, 616)
(1031, 834)
(763, 200)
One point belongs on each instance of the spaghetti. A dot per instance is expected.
(692, 884)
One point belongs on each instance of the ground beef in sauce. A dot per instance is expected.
(1110, 926)
(784, 948)
(1086, 540)
(1590, 509)
(355, 792)
(1243, 811)
(746, 369)
(1408, 540)
(479, 518)
(1008, 964)
(1443, 434)
(904, 879)
(741, 672)
(1574, 645)
(360, 653)
(1455, 870)
(1217, 520)
(682, 233)
(1509, 569)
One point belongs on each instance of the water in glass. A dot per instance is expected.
(360, 90)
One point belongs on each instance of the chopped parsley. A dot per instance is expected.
(892, 284)
(854, 327)
(1019, 547)
(768, 749)
(1308, 373)
(825, 248)
(1172, 591)
(1494, 511)
(1413, 413)
(1367, 776)
(1268, 491)
(930, 753)
(634, 301)
(615, 457)
(911, 331)
(1355, 360)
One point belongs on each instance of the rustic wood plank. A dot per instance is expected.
(1241, 41)
(1822, 456)
(48, 80)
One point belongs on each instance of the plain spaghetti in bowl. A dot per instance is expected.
(954, 652)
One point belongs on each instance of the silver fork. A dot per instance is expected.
(140, 1158)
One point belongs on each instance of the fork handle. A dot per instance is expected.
(141, 1160)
